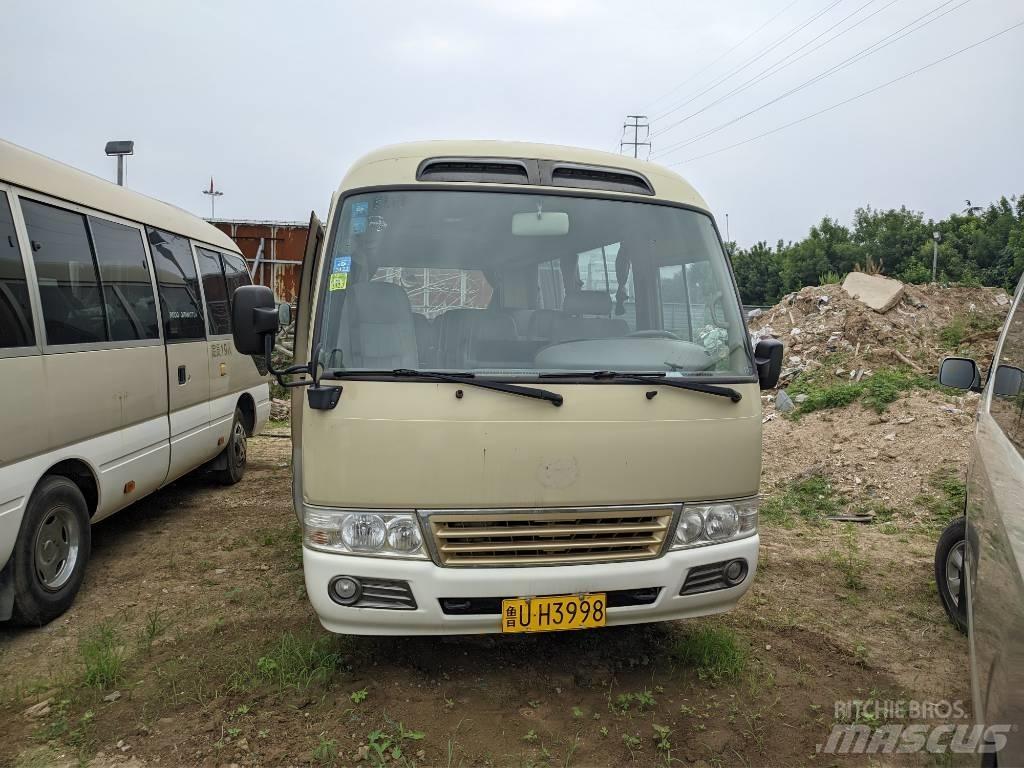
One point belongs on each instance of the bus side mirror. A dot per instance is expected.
(254, 316)
(960, 373)
(768, 359)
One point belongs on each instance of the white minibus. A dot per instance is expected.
(117, 369)
(529, 399)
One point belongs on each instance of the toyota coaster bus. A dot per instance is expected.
(526, 397)
(117, 369)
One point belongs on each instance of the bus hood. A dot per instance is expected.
(407, 445)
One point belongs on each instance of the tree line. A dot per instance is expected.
(978, 246)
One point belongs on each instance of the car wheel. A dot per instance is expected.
(951, 572)
(51, 552)
(234, 453)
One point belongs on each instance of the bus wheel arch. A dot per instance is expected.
(248, 408)
(82, 475)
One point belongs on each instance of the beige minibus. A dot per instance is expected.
(526, 397)
(117, 372)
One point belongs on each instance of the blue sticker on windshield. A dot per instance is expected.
(341, 264)
(358, 225)
(360, 209)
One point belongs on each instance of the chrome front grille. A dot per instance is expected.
(549, 536)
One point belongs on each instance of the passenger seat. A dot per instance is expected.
(426, 340)
(377, 328)
(464, 335)
(574, 326)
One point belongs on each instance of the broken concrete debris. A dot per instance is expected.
(879, 293)
(783, 403)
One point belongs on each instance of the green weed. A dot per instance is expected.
(293, 662)
(103, 656)
(715, 652)
(810, 498)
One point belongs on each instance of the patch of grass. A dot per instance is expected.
(103, 656)
(625, 701)
(295, 661)
(849, 563)
(811, 498)
(326, 750)
(715, 652)
(962, 327)
(876, 392)
(946, 499)
(359, 696)
(387, 746)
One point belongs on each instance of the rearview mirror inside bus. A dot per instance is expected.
(254, 317)
(540, 224)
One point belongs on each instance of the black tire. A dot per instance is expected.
(235, 453)
(50, 555)
(951, 572)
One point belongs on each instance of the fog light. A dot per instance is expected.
(735, 571)
(344, 590)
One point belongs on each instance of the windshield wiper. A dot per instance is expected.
(658, 378)
(458, 378)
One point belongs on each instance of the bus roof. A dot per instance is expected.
(30, 170)
(399, 163)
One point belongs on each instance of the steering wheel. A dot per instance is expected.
(653, 334)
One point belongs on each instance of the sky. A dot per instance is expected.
(275, 100)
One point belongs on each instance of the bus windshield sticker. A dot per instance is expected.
(360, 209)
(339, 281)
(341, 264)
(358, 225)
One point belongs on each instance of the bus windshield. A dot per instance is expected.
(524, 284)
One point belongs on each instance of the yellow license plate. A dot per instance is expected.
(548, 614)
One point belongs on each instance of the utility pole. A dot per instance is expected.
(936, 236)
(639, 122)
(727, 238)
(214, 194)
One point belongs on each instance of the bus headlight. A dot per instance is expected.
(362, 532)
(703, 524)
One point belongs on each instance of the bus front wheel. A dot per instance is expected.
(51, 552)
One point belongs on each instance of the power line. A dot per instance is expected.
(781, 64)
(760, 54)
(862, 54)
(706, 67)
(852, 98)
(636, 125)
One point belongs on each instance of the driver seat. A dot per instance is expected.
(573, 325)
(377, 327)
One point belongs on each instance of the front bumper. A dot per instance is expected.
(429, 583)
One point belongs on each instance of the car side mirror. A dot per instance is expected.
(284, 314)
(254, 317)
(768, 359)
(1009, 381)
(960, 373)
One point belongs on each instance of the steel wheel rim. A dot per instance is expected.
(955, 571)
(238, 445)
(56, 547)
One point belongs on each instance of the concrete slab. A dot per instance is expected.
(879, 293)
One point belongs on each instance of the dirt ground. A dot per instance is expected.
(192, 642)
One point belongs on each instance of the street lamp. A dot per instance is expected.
(120, 150)
(936, 236)
(213, 193)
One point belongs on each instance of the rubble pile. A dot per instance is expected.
(819, 321)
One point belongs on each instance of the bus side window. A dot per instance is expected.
(215, 290)
(127, 290)
(181, 309)
(66, 274)
(15, 311)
